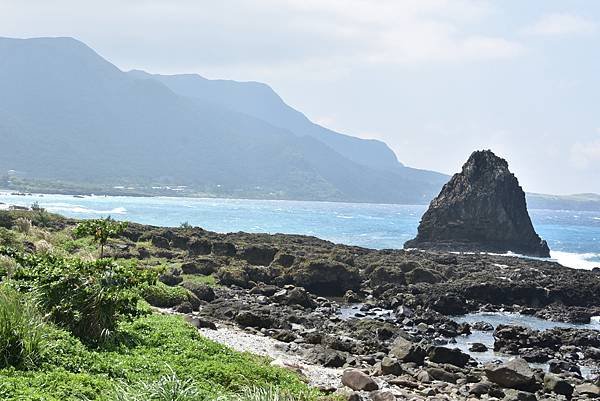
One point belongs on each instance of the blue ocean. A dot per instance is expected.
(574, 237)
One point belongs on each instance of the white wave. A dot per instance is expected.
(583, 261)
(576, 260)
(85, 210)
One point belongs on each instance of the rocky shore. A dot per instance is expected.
(379, 324)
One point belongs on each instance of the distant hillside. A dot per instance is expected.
(589, 202)
(67, 114)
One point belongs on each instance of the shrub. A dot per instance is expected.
(101, 230)
(43, 247)
(23, 225)
(7, 266)
(8, 237)
(163, 296)
(87, 298)
(22, 330)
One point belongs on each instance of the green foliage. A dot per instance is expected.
(163, 296)
(23, 225)
(22, 330)
(7, 266)
(166, 388)
(269, 393)
(86, 297)
(162, 352)
(41, 216)
(185, 225)
(8, 238)
(101, 230)
(209, 280)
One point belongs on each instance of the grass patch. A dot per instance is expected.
(22, 330)
(209, 280)
(154, 348)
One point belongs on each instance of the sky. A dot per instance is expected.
(434, 79)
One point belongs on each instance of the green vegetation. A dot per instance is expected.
(163, 296)
(22, 330)
(74, 329)
(209, 280)
(101, 230)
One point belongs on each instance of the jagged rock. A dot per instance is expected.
(171, 278)
(515, 374)
(199, 247)
(515, 395)
(443, 375)
(160, 242)
(391, 366)
(382, 395)
(558, 385)
(252, 319)
(221, 248)
(482, 326)
(453, 356)
(257, 255)
(407, 351)
(478, 347)
(202, 266)
(358, 381)
(327, 277)
(482, 208)
(588, 389)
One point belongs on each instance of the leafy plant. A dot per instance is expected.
(42, 217)
(185, 225)
(163, 296)
(101, 230)
(86, 297)
(22, 330)
(8, 237)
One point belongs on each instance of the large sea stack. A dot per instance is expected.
(481, 209)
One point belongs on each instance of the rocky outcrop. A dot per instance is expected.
(482, 208)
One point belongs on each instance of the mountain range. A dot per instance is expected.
(68, 114)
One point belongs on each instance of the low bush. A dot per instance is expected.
(86, 297)
(8, 238)
(23, 225)
(7, 266)
(22, 330)
(164, 296)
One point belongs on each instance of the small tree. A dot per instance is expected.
(101, 230)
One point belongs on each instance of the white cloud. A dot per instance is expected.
(585, 154)
(559, 24)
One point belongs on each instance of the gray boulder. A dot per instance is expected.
(358, 381)
(515, 374)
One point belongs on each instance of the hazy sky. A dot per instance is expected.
(434, 79)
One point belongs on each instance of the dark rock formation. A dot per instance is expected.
(482, 208)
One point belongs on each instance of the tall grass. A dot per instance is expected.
(172, 388)
(22, 330)
(167, 388)
(266, 394)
